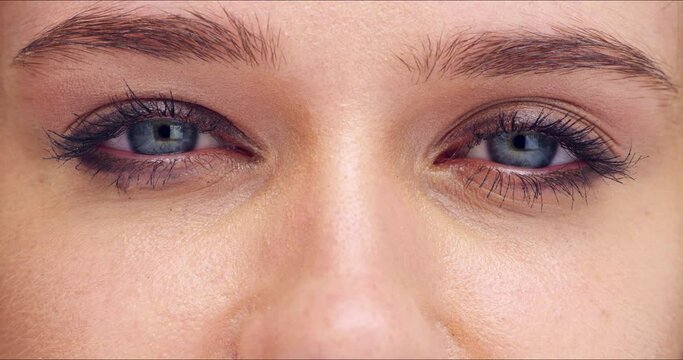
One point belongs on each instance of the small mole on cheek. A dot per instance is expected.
(605, 314)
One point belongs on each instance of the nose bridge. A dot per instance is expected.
(349, 205)
(358, 198)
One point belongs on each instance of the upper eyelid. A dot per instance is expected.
(100, 124)
(119, 107)
(178, 109)
(464, 132)
(583, 141)
(566, 108)
(186, 108)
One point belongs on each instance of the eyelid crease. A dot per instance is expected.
(467, 121)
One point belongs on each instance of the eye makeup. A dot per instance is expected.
(523, 149)
(516, 150)
(148, 142)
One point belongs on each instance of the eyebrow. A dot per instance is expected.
(163, 36)
(564, 50)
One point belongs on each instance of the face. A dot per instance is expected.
(341, 180)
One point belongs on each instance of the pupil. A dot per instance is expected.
(164, 131)
(154, 137)
(523, 149)
(519, 142)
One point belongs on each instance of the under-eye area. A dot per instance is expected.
(151, 142)
(531, 152)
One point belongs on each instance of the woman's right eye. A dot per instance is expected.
(151, 141)
(161, 136)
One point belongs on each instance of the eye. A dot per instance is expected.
(522, 149)
(161, 136)
(152, 142)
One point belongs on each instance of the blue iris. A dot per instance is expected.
(530, 149)
(154, 137)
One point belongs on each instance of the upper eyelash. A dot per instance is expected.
(84, 136)
(572, 134)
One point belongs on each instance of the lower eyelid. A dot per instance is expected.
(494, 184)
(222, 151)
(462, 164)
(153, 172)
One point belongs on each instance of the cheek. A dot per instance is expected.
(174, 277)
(70, 285)
(604, 286)
(181, 280)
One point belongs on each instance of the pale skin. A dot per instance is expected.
(345, 239)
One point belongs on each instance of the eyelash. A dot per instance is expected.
(82, 140)
(571, 133)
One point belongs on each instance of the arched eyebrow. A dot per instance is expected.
(562, 50)
(163, 36)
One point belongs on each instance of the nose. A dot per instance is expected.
(356, 289)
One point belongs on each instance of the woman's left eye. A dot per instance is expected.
(517, 150)
(161, 136)
(522, 149)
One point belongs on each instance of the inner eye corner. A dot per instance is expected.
(448, 155)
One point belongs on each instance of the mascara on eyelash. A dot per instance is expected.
(570, 132)
(82, 141)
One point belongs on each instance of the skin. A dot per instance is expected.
(344, 241)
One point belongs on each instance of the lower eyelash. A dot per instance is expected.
(529, 188)
(570, 181)
(150, 173)
(146, 172)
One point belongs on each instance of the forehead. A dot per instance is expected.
(352, 31)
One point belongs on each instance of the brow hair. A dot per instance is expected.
(563, 50)
(163, 36)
